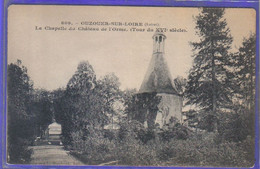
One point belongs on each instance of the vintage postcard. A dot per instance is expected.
(131, 86)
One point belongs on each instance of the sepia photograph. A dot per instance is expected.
(131, 86)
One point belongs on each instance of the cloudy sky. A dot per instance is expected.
(51, 57)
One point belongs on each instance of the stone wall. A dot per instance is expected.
(169, 107)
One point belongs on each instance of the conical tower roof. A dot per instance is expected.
(158, 78)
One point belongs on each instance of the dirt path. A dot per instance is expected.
(52, 155)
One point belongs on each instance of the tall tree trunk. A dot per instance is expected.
(214, 95)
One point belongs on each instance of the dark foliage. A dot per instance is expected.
(208, 82)
(132, 129)
(244, 62)
(110, 134)
(109, 93)
(20, 129)
(143, 107)
(177, 131)
(179, 84)
(42, 108)
(86, 103)
(236, 126)
(192, 118)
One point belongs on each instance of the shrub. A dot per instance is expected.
(133, 152)
(178, 131)
(204, 151)
(236, 126)
(110, 134)
(93, 149)
(247, 148)
(19, 153)
(133, 129)
(136, 146)
(147, 135)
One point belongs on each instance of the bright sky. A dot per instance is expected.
(51, 57)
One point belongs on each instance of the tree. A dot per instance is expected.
(63, 109)
(208, 82)
(81, 104)
(239, 123)
(42, 107)
(180, 84)
(19, 119)
(129, 101)
(109, 92)
(244, 62)
(142, 107)
(246, 74)
(58, 96)
(84, 79)
(84, 99)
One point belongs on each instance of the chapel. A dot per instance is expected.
(158, 80)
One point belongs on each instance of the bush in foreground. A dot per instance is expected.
(128, 148)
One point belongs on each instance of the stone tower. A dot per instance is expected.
(158, 80)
